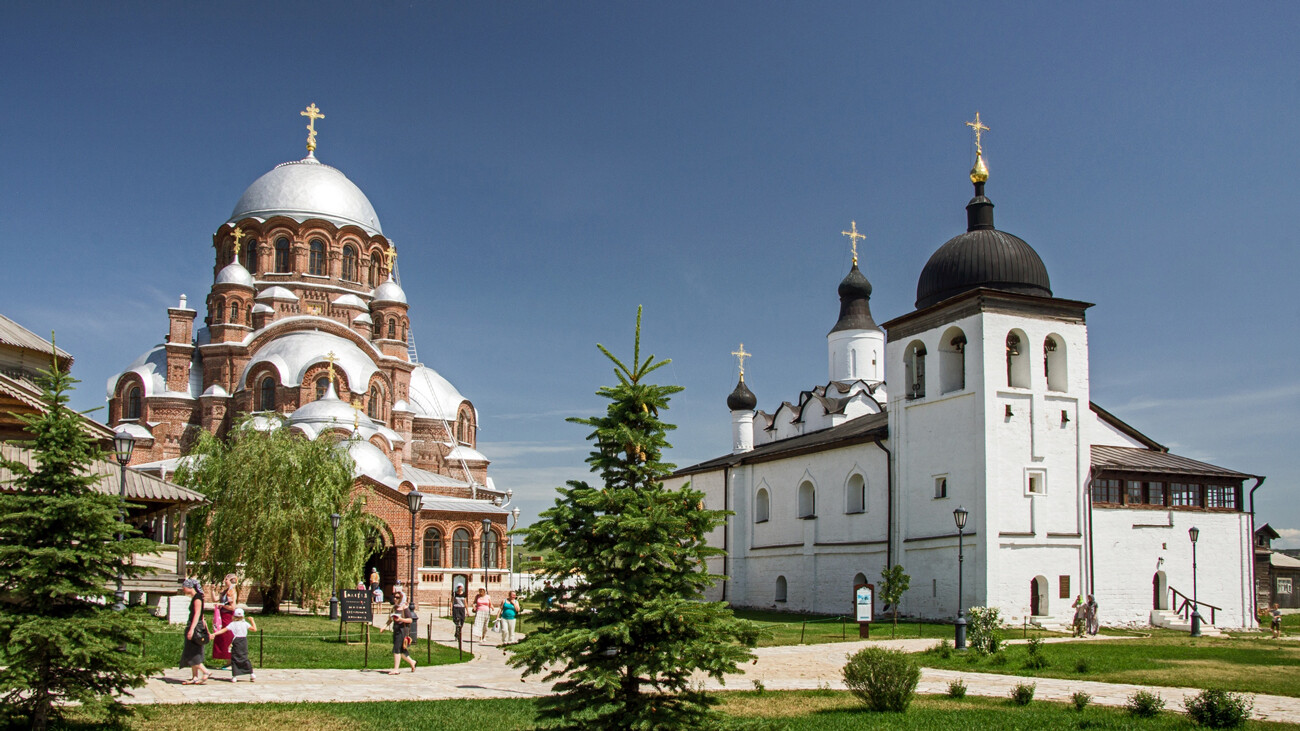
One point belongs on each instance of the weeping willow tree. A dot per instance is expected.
(271, 493)
(625, 641)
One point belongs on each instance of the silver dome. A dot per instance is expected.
(389, 291)
(306, 189)
(235, 273)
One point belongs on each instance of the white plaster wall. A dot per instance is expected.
(713, 486)
(1131, 545)
(869, 348)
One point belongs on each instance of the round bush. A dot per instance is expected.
(957, 689)
(1145, 704)
(1023, 693)
(1219, 709)
(883, 679)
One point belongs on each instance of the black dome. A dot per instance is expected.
(742, 399)
(855, 303)
(982, 257)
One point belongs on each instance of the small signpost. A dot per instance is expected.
(864, 605)
(355, 608)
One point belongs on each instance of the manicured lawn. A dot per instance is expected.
(795, 711)
(1169, 659)
(303, 641)
(810, 629)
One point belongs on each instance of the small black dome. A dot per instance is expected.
(855, 303)
(982, 257)
(742, 399)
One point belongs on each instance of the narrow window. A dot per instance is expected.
(460, 548)
(133, 403)
(249, 259)
(432, 547)
(1054, 366)
(780, 589)
(374, 271)
(952, 361)
(372, 408)
(392, 328)
(807, 500)
(914, 364)
(1017, 365)
(762, 506)
(282, 255)
(490, 549)
(940, 487)
(322, 385)
(1064, 581)
(234, 313)
(857, 489)
(218, 311)
(350, 263)
(316, 262)
(268, 394)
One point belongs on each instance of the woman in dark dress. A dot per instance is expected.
(195, 628)
(403, 619)
(458, 599)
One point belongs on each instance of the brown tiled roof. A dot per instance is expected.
(1133, 459)
(139, 486)
(854, 431)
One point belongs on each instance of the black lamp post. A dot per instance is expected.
(959, 515)
(1195, 533)
(413, 500)
(487, 528)
(123, 445)
(334, 569)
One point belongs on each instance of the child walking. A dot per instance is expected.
(239, 662)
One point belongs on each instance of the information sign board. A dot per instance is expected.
(355, 606)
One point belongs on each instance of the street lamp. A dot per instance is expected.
(334, 569)
(123, 445)
(487, 528)
(1195, 533)
(959, 515)
(413, 500)
(513, 526)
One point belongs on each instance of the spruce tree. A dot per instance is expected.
(59, 558)
(625, 639)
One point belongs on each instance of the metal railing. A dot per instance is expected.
(1184, 608)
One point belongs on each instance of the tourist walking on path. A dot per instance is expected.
(1276, 615)
(1093, 623)
(482, 614)
(238, 629)
(223, 613)
(509, 611)
(458, 599)
(1080, 615)
(196, 635)
(403, 621)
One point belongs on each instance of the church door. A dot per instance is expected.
(1033, 597)
(1155, 591)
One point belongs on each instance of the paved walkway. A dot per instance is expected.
(487, 676)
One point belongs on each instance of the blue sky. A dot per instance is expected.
(546, 167)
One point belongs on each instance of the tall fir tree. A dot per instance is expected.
(626, 638)
(59, 559)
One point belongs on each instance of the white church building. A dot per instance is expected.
(988, 409)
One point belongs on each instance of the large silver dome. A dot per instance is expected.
(307, 189)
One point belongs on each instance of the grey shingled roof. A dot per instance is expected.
(139, 486)
(854, 431)
(11, 333)
(1133, 459)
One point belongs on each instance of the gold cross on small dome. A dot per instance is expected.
(331, 359)
(238, 235)
(979, 128)
(741, 355)
(390, 255)
(312, 113)
(854, 236)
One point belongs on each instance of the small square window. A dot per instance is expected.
(940, 487)
(1036, 483)
(1284, 586)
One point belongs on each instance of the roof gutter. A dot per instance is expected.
(1259, 482)
(726, 530)
(889, 504)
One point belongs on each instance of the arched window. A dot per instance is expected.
(432, 547)
(218, 310)
(1017, 363)
(379, 327)
(857, 495)
(460, 548)
(249, 256)
(859, 578)
(322, 385)
(807, 500)
(372, 408)
(952, 361)
(392, 328)
(780, 589)
(234, 312)
(132, 403)
(267, 393)
(490, 549)
(762, 506)
(282, 255)
(914, 364)
(463, 429)
(248, 312)
(374, 270)
(350, 263)
(316, 260)
(1054, 366)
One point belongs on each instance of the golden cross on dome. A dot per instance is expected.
(741, 355)
(979, 128)
(356, 412)
(854, 236)
(312, 113)
(331, 359)
(390, 255)
(237, 236)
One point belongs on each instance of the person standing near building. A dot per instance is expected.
(509, 613)
(458, 598)
(223, 613)
(1093, 623)
(1276, 615)
(238, 630)
(196, 635)
(402, 619)
(482, 614)
(1080, 616)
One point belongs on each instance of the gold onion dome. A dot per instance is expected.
(979, 173)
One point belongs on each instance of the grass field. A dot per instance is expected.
(786, 628)
(1168, 659)
(303, 641)
(793, 711)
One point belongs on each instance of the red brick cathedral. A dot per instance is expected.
(306, 319)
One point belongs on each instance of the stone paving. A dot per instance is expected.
(792, 667)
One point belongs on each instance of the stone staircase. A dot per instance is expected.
(1172, 620)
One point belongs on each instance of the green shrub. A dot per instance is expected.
(983, 629)
(943, 649)
(957, 689)
(1219, 708)
(1145, 704)
(1080, 700)
(1035, 645)
(1023, 693)
(883, 679)
(1081, 665)
(998, 658)
(759, 687)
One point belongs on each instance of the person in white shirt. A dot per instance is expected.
(239, 662)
